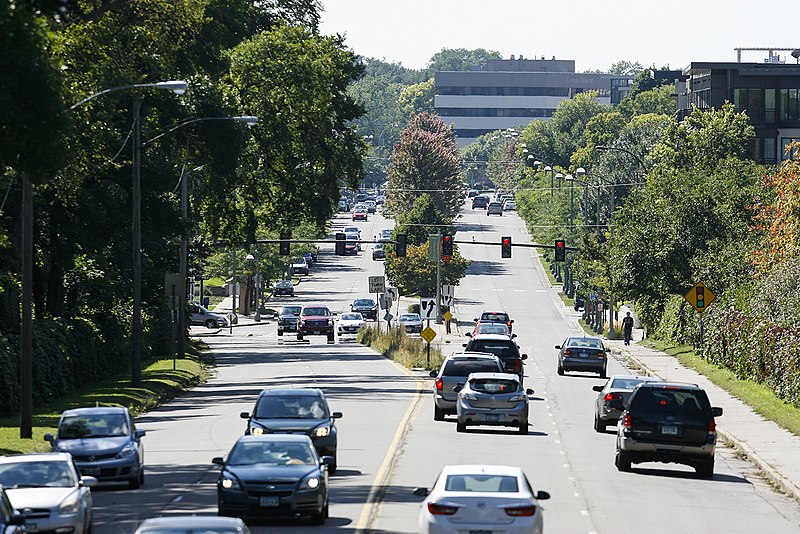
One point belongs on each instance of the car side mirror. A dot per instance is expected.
(463, 344)
(524, 356)
(351, 307)
(475, 319)
(218, 461)
(716, 412)
(244, 415)
(468, 334)
(607, 349)
(511, 321)
(529, 391)
(88, 482)
(456, 389)
(558, 347)
(433, 374)
(327, 461)
(542, 495)
(16, 519)
(513, 336)
(139, 434)
(597, 388)
(49, 438)
(421, 492)
(336, 415)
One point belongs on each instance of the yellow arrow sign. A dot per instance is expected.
(699, 297)
(428, 334)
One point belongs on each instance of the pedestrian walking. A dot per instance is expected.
(627, 327)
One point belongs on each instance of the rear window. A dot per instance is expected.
(626, 383)
(495, 317)
(493, 385)
(467, 367)
(482, 483)
(676, 401)
(585, 342)
(504, 349)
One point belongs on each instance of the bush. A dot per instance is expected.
(678, 322)
(408, 351)
(413, 308)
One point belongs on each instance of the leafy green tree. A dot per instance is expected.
(421, 221)
(659, 100)
(418, 97)
(626, 68)
(460, 59)
(416, 274)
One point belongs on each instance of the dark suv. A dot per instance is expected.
(316, 320)
(366, 307)
(287, 319)
(501, 346)
(670, 423)
(480, 202)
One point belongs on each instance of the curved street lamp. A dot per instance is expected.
(624, 150)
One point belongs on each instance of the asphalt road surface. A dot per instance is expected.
(389, 443)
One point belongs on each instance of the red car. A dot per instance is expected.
(360, 214)
(315, 320)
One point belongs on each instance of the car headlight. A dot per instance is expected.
(311, 482)
(330, 322)
(322, 431)
(127, 451)
(256, 431)
(228, 482)
(70, 505)
(517, 398)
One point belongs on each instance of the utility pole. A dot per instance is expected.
(184, 260)
(136, 363)
(26, 341)
(439, 286)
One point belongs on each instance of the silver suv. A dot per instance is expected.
(453, 374)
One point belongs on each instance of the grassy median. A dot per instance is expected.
(160, 382)
(758, 396)
(411, 352)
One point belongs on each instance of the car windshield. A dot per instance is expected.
(190, 530)
(410, 317)
(364, 302)
(503, 349)
(316, 312)
(53, 474)
(495, 317)
(675, 401)
(379, 246)
(626, 383)
(467, 367)
(493, 385)
(271, 453)
(93, 426)
(291, 407)
(482, 483)
(585, 342)
(351, 230)
(290, 310)
(352, 317)
(284, 283)
(351, 237)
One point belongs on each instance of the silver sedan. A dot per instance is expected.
(495, 399)
(613, 398)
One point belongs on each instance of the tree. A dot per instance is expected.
(418, 98)
(416, 274)
(425, 160)
(659, 100)
(626, 68)
(421, 221)
(460, 59)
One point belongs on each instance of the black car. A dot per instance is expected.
(583, 354)
(284, 287)
(378, 253)
(366, 307)
(295, 411)
(668, 422)
(273, 476)
(287, 319)
(501, 346)
(11, 521)
(480, 201)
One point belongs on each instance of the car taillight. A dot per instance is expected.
(439, 384)
(626, 422)
(566, 352)
(517, 366)
(712, 426)
(442, 509)
(521, 511)
(612, 396)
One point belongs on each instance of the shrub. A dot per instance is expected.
(395, 344)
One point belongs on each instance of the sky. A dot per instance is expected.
(593, 33)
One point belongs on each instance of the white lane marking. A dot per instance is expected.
(519, 290)
(541, 291)
(179, 498)
(566, 466)
(585, 513)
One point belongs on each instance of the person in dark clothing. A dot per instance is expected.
(627, 327)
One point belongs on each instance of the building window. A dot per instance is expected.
(750, 101)
(790, 104)
(769, 150)
(769, 106)
(785, 142)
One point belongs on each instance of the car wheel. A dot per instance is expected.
(560, 370)
(331, 338)
(438, 413)
(623, 460)
(599, 426)
(211, 323)
(141, 476)
(604, 373)
(280, 332)
(299, 336)
(319, 517)
(134, 483)
(461, 427)
(705, 469)
(332, 468)
(523, 428)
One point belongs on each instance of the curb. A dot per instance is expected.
(777, 479)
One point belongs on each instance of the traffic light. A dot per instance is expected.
(340, 239)
(447, 247)
(400, 241)
(505, 247)
(561, 250)
(284, 245)
(700, 296)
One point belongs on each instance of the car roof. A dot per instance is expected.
(638, 377)
(472, 469)
(471, 355)
(187, 522)
(37, 457)
(492, 337)
(494, 312)
(670, 385)
(502, 376)
(300, 438)
(298, 392)
(96, 410)
(314, 306)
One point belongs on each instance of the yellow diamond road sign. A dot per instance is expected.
(428, 334)
(699, 297)
(447, 316)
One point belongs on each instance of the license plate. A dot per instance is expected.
(267, 502)
(90, 471)
(31, 527)
(583, 354)
(480, 532)
(669, 430)
(491, 417)
(316, 332)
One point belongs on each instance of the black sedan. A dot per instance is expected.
(583, 354)
(284, 287)
(366, 307)
(273, 476)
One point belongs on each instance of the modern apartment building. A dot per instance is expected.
(509, 93)
(768, 92)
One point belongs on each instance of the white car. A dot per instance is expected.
(352, 230)
(47, 489)
(350, 323)
(385, 235)
(481, 498)
(411, 322)
(509, 205)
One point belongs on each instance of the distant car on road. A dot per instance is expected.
(494, 399)
(104, 443)
(350, 323)
(309, 259)
(668, 422)
(472, 193)
(300, 268)
(297, 479)
(491, 328)
(480, 202)
(411, 323)
(510, 205)
(583, 353)
(613, 397)
(385, 235)
(494, 208)
(454, 372)
(366, 307)
(200, 316)
(315, 320)
(283, 287)
(371, 206)
(360, 214)
(288, 319)
(496, 317)
(352, 230)
(453, 504)
(501, 346)
(193, 524)
(378, 252)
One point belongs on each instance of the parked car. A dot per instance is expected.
(200, 316)
(103, 442)
(668, 422)
(273, 476)
(366, 307)
(360, 214)
(350, 324)
(454, 372)
(378, 252)
(496, 317)
(315, 320)
(583, 353)
(411, 323)
(300, 410)
(300, 268)
(480, 202)
(495, 399)
(48, 490)
(192, 524)
(501, 346)
(283, 287)
(454, 502)
(288, 318)
(494, 208)
(613, 397)
(12, 521)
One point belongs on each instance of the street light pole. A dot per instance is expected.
(626, 151)
(136, 201)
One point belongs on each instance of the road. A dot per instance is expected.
(388, 433)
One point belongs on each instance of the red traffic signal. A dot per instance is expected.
(505, 247)
(561, 250)
(447, 248)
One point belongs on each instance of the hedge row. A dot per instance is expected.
(755, 349)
